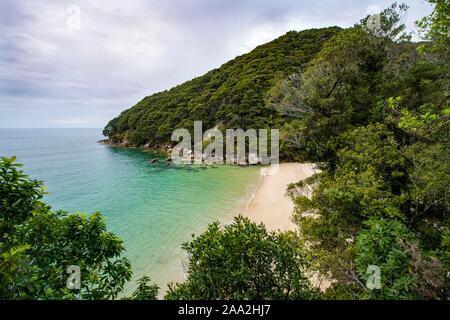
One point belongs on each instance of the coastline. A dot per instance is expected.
(263, 202)
(270, 204)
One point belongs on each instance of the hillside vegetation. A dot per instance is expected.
(232, 96)
(373, 110)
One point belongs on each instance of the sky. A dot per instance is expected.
(78, 64)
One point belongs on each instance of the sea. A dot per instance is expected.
(153, 207)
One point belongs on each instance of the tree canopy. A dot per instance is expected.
(38, 246)
(378, 125)
(244, 261)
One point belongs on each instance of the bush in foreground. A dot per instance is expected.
(243, 261)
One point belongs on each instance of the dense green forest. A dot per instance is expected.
(373, 111)
(369, 106)
(232, 96)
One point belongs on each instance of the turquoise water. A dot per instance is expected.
(152, 207)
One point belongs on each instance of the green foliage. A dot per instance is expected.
(383, 244)
(145, 290)
(243, 261)
(373, 148)
(38, 245)
(344, 86)
(373, 111)
(391, 23)
(19, 196)
(429, 181)
(436, 27)
(406, 271)
(367, 182)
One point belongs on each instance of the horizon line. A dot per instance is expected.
(51, 128)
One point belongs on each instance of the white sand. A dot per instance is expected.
(270, 204)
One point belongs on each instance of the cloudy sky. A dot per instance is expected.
(79, 63)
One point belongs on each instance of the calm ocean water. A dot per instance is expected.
(153, 208)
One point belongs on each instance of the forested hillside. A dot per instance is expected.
(374, 112)
(231, 96)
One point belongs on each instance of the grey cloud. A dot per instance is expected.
(52, 76)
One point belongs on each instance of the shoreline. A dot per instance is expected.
(266, 202)
(269, 203)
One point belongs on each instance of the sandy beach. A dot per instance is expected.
(270, 204)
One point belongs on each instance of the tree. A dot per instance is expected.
(243, 261)
(330, 207)
(344, 85)
(436, 27)
(38, 245)
(382, 245)
(145, 290)
(378, 122)
(405, 271)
